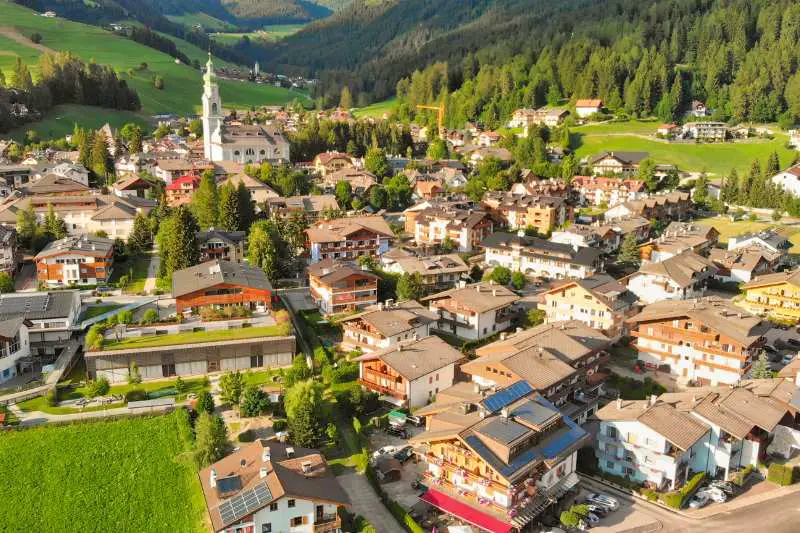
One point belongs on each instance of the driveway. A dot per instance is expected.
(152, 271)
(25, 280)
(365, 502)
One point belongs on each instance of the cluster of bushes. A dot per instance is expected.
(741, 476)
(676, 499)
(234, 311)
(574, 515)
(783, 474)
(355, 401)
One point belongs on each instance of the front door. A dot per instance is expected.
(212, 366)
(319, 514)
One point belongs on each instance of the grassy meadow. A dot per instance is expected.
(62, 119)
(728, 228)
(377, 109)
(271, 33)
(129, 475)
(183, 84)
(208, 22)
(714, 158)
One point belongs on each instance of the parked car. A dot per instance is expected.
(724, 486)
(788, 358)
(397, 432)
(699, 500)
(598, 498)
(714, 494)
(404, 454)
(418, 421)
(592, 519)
(385, 450)
(599, 510)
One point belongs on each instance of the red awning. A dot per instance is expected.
(465, 512)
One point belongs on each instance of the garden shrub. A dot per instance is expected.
(183, 423)
(345, 372)
(781, 474)
(247, 436)
(279, 425)
(741, 476)
(52, 397)
(135, 395)
(650, 494)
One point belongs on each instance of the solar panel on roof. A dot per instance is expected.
(24, 304)
(245, 503)
(507, 396)
(229, 484)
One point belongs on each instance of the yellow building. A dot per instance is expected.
(599, 301)
(776, 295)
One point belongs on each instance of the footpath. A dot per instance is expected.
(34, 418)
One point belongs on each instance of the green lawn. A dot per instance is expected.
(207, 21)
(97, 310)
(727, 229)
(136, 270)
(199, 336)
(62, 119)
(129, 475)
(716, 159)
(183, 84)
(640, 127)
(10, 50)
(271, 33)
(377, 109)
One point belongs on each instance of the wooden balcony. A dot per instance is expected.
(383, 390)
(328, 523)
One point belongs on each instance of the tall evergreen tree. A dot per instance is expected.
(21, 77)
(629, 250)
(228, 208)
(141, 237)
(54, 226)
(246, 209)
(262, 250)
(773, 165)
(102, 164)
(182, 250)
(27, 224)
(85, 142)
(205, 201)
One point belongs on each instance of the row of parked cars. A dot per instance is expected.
(715, 491)
(599, 506)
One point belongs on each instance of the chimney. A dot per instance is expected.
(476, 388)
(619, 404)
(289, 452)
(212, 478)
(653, 399)
(265, 455)
(306, 466)
(478, 288)
(262, 472)
(503, 336)
(504, 412)
(494, 292)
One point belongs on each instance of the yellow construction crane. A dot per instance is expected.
(439, 116)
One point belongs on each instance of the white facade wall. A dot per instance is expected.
(727, 456)
(376, 343)
(690, 364)
(546, 268)
(551, 478)
(11, 353)
(281, 518)
(422, 390)
(650, 288)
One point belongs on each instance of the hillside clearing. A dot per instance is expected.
(377, 109)
(125, 475)
(62, 119)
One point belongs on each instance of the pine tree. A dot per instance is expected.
(101, 162)
(181, 242)
(262, 250)
(344, 192)
(246, 209)
(410, 287)
(345, 100)
(761, 368)
(27, 224)
(205, 201)
(228, 208)
(21, 77)
(629, 250)
(85, 142)
(54, 226)
(141, 237)
(211, 439)
(305, 428)
(773, 165)
(701, 189)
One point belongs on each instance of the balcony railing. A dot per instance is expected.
(328, 522)
(385, 390)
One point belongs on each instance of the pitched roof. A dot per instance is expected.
(438, 264)
(714, 312)
(338, 229)
(417, 358)
(625, 157)
(55, 184)
(778, 278)
(536, 247)
(84, 245)
(678, 427)
(603, 287)
(131, 182)
(216, 272)
(395, 319)
(478, 297)
(39, 305)
(588, 102)
(358, 179)
(309, 203)
(9, 327)
(228, 236)
(683, 269)
(329, 271)
(289, 471)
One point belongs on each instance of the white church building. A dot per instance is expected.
(243, 144)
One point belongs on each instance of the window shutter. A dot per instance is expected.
(305, 519)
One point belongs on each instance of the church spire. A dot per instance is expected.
(209, 76)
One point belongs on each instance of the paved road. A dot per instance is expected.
(35, 418)
(25, 280)
(366, 502)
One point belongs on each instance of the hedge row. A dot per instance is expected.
(783, 474)
(677, 498)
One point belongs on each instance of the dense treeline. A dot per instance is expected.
(316, 136)
(148, 37)
(644, 57)
(63, 79)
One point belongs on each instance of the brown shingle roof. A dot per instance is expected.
(684, 269)
(338, 229)
(416, 359)
(389, 321)
(217, 272)
(479, 297)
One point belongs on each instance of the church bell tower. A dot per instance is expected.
(212, 113)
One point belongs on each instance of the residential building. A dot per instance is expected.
(464, 228)
(558, 360)
(427, 189)
(438, 272)
(348, 238)
(699, 109)
(680, 237)
(650, 443)
(544, 116)
(499, 462)
(667, 131)
(742, 264)
(599, 301)
(475, 311)
(360, 181)
(179, 355)
(337, 287)
(181, 190)
(587, 107)
(604, 238)
(132, 185)
(637, 225)
(384, 325)
(538, 257)
(54, 184)
(537, 187)
(10, 256)
(272, 486)
(169, 169)
(83, 214)
(243, 143)
(788, 180)
(225, 245)
(488, 138)
(13, 177)
(599, 190)
(544, 213)
(616, 163)
(776, 295)
(134, 164)
(310, 206)
(411, 372)
(51, 314)
(705, 131)
(769, 240)
(670, 206)
(260, 192)
(84, 260)
(218, 284)
(73, 171)
(707, 341)
(680, 277)
(15, 347)
(330, 162)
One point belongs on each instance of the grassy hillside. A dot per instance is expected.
(377, 109)
(205, 20)
(269, 33)
(62, 119)
(182, 82)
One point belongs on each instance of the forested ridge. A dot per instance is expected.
(646, 57)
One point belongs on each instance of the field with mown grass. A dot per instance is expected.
(377, 109)
(728, 228)
(714, 158)
(208, 22)
(182, 83)
(61, 120)
(130, 475)
(270, 33)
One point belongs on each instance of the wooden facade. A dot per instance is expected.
(225, 294)
(383, 379)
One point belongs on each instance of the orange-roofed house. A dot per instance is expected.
(348, 238)
(428, 189)
(180, 191)
(588, 107)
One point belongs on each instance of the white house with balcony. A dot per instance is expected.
(14, 346)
